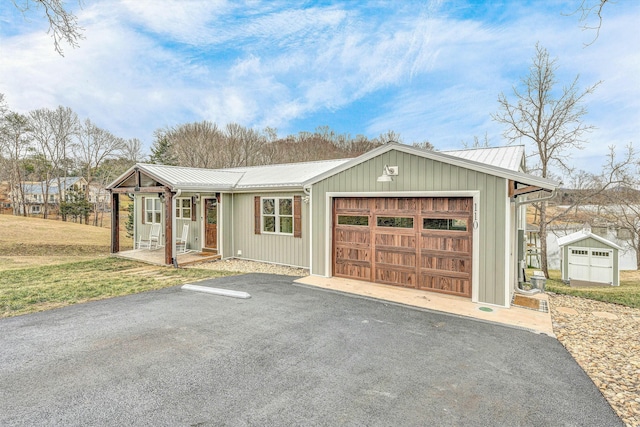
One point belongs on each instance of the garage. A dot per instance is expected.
(416, 242)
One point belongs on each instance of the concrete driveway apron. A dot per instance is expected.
(288, 356)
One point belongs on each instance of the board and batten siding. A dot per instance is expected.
(274, 248)
(591, 243)
(226, 222)
(419, 174)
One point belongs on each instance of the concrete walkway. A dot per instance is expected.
(536, 321)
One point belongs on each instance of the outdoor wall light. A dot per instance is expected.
(388, 173)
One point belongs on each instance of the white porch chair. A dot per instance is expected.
(152, 241)
(181, 243)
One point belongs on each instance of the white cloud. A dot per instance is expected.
(148, 64)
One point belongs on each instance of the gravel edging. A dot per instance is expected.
(604, 339)
(245, 266)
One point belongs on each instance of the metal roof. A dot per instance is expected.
(37, 187)
(584, 234)
(510, 157)
(192, 178)
(500, 161)
(283, 175)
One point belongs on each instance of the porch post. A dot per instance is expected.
(168, 229)
(115, 222)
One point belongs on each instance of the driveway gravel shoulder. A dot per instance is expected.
(604, 339)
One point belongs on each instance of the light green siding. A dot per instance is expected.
(275, 248)
(418, 174)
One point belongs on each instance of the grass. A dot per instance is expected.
(628, 293)
(48, 264)
(33, 289)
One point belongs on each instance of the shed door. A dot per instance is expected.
(422, 243)
(591, 264)
(602, 265)
(579, 263)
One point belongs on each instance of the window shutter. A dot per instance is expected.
(193, 208)
(256, 215)
(143, 221)
(297, 216)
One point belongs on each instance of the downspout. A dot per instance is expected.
(519, 267)
(173, 227)
(307, 191)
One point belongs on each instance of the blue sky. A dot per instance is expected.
(429, 70)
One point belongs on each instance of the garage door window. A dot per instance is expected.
(397, 222)
(353, 220)
(444, 224)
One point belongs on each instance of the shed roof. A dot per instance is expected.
(584, 234)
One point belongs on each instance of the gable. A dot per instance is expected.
(443, 159)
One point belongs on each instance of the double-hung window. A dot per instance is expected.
(183, 208)
(152, 210)
(277, 215)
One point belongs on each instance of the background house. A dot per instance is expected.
(30, 196)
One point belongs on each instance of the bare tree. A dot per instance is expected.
(53, 131)
(63, 25)
(198, 145)
(587, 10)
(620, 205)
(242, 145)
(94, 146)
(132, 150)
(15, 142)
(549, 118)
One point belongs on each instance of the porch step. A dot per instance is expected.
(204, 257)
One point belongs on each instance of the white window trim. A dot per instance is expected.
(277, 215)
(180, 209)
(153, 211)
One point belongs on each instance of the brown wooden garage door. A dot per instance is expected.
(422, 243)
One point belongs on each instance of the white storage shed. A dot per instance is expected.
(587, 259)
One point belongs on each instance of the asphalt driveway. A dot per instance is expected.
(288, 356)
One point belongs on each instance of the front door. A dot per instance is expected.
(211, 223)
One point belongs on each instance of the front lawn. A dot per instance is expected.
(38, 288)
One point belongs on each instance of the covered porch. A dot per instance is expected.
(174, 216)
